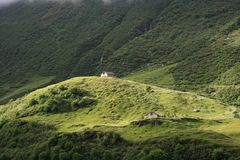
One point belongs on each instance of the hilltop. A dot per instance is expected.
(194, 42)
(107, 116)
(112, 101)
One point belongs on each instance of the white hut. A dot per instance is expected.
(196, 110)
(107, 74)
(152, 115)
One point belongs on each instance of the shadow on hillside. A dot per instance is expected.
(32, 140)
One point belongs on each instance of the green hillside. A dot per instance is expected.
(112, 98)
(198, 38)
(104, 118)
(176, 59)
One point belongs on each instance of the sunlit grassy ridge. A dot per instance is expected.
(64, 114)
(120, 102)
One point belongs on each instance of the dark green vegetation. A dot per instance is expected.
(58, 100)
(188, 45)
(24, 140)
(227, 94)
(105, 120)
(201, 39)
(18, 89)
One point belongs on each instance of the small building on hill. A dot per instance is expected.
(152, 115)
(107, 74)
(196, 110)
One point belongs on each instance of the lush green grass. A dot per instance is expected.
(12, 91)
(182, 44)
(229, 94)
(111, 122)
(227, 127)
(159, 77)
(118, 102)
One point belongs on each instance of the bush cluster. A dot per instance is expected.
(61, 99)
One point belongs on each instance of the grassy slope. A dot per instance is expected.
(194, 38)
(120, 102)
(229, 128)
(158, 77)
(23, 87)
(196, 42)
(51, 51)
(129, 37)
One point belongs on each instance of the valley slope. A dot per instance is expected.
(196, 40)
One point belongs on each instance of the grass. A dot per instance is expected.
(146, 132)
(179, 44)
(159, 77)
(119, 104)
(129, 36)
(122, 101)
(227, 127)
(228, 94)
(26, 86)
(231, 77)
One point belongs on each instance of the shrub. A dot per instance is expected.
(44, 156)
(64, 156)
(156, 154)
(86, 101)
(4, 157)
(149, 89)
(33, 102)
(234, 26)
(77, 92)
(218, 154)
(55, 105)
(95, 154)
(236, 114)
(55, 153)
(75, 103)
(63, 88)
(179, 152)
(61, 99)
(77, 156)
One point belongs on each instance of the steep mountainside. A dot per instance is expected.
(197, 41)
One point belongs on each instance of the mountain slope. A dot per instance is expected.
(64, 40)
(185, 45)
(82, 116)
